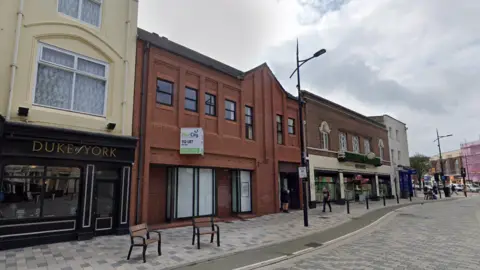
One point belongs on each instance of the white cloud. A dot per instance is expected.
(415, 60)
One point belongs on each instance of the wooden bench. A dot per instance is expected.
(211, 229)
(141, 232)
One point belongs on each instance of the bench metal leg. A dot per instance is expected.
(218, 237)
(159, 248)
(144, 250)
(193, 236)
(198, 238)
(129, 252)
(211, 238)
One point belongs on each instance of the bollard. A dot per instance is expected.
(366, 201)
(398, 201)
(410, 196)
(384, 203)
(348, 207)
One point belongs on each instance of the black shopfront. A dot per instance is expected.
(62, 185)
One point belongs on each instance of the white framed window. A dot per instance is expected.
(88, 11)
(399, 155)
(366, 145)
(390, 132)
(392, 156)
(396, 135)
(381, 146)
(68, 81)
(457, 166)
(343, 142)
(356, 144)
(324, 132)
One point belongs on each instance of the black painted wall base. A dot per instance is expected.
(121, 231)
(375, 198)
(340, 202)
(26, 241)
(84, 236)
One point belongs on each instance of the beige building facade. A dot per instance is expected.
(66, 101)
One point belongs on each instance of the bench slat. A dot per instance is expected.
(138, 227)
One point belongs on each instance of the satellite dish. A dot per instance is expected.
(371, 155)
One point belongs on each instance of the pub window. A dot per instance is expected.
(164, 92)
(191, 97)
(279, 129)
(230, 110)
(249, 122)
(210, 104)
(31, 191)
(291, 126)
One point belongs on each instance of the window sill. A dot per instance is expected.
(212, 117)
(194, 113)
(56, 110)
(164, 107)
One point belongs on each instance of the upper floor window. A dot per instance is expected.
(324, 133)
(457, 166)
(343, 142)
(392, 156)
(438, 166)
(88, 11)
(164, 92)
(191, 98)
(249, 122)
(396, 135)
(291, 126)
(210, 104)
(366, 145)
(69, 81)
(230, 110)
(447, 166)
(399, 156)
(390, 132)
(356, 144)
(380, 148)
(279, 129)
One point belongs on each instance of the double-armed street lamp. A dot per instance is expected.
(440, 160)
(300, 118)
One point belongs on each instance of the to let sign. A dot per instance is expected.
(302, 172)
(191, 141)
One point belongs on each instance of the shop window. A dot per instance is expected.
(190, 192)
(279, 129)
(69, 81)
(164, 92)
(88, 11)
(30, 191)
(241, 191)
(210, 104)
(330, 183)
(191, 97)
(249, 122)
(291, 126)
(230, 110)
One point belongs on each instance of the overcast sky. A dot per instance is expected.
(418, 61)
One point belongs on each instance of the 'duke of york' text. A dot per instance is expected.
(67, 148)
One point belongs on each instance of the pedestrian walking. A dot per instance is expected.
(454, 189)
(285, 198)
(326, 199)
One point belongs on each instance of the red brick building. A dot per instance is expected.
(348, 152)
(249, 128)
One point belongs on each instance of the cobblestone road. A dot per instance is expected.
(431, 236)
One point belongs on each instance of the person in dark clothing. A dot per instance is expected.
(285, 198)
(326, 199)
(454, 189)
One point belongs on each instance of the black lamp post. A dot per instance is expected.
(441, 161)
(300, 118)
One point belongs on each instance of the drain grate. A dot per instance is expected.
(324, 217)
(313, 244)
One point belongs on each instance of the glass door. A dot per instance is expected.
(241, 191)
(105, 203)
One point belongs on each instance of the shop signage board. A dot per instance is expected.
(302, 172)
(191, 141)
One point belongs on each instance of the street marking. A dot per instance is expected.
(271, 261)
(302, 251)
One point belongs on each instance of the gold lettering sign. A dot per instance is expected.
(71, 149)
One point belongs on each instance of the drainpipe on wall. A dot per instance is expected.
(13, 66)
(143, 116)
(125, 63)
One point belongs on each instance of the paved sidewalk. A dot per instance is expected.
(110, 252)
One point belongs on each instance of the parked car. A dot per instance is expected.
(472, 188)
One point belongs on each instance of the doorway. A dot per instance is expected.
(291, 182)
(105, 204)
(241, 191)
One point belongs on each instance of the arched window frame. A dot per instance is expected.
(325, 135)
(381, 148)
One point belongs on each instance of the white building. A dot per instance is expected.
(398, 143)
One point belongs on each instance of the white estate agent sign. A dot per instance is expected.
(191, 141)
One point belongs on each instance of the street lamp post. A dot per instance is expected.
(300, 118)
(440, 160)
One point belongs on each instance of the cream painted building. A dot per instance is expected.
(67, 72)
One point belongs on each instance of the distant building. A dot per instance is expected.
(452, 162)
(471, 159)
(398, 143)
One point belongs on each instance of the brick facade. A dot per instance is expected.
(225, 142)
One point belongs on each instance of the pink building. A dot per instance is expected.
(471, 159)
